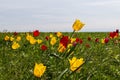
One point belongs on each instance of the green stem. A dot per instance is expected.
(72, 34)
(55, 55)
(60, 76)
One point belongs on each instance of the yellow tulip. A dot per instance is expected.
(18, 38)
(6, 38)
(61, 48)
(28, 37)
(73, 40)
(15, 45)
(39, 41)
(39, 69)
(59, 34)
(103, 41)
(11, 38)
(32, 40)
(69, 45)
(53, 41)
(51, 35)
(75, 63)
(77, 25)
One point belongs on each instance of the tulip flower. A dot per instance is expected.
(102, 41)
(51, 36)
(43, 47)
(73, 40)
(77, 25)
(53, 41)
(113, 34)
(15, 45)
(106, 40)
(36, 33)
(32, 40)
(28, 37)
(47, 38)
(89, 38)
(11, 38)
(69, 45)
(81, 41)
(78, 40)
(6, 38)
(18, 38)
(75, 64)
(117, 30)
(61, 48)
(64, 41)
(15, 33)
(97, 40)
(59, 34)
(39, 69)
(39, 41)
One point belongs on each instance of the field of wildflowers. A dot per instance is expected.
(60, 56)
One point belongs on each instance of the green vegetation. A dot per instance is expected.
(102, 60)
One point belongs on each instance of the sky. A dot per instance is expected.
(59, 15)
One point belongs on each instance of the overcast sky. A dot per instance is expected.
(59, 15)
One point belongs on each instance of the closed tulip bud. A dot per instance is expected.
(97, 40)
(117, 30)
(106, 40)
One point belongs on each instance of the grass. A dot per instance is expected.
(102, 61)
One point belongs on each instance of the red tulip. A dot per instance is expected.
(77, 40)
(106, 40)
(97, 40)
(47, 38)
(36, 33)
(113, 34)
(81, 41)
(43, 47)
(64, 41)
(117, 30)
(15, 33)
(89, 38)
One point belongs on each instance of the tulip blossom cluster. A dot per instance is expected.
(113, 34)
(14, 39)
(32, 39)
(106, 40)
